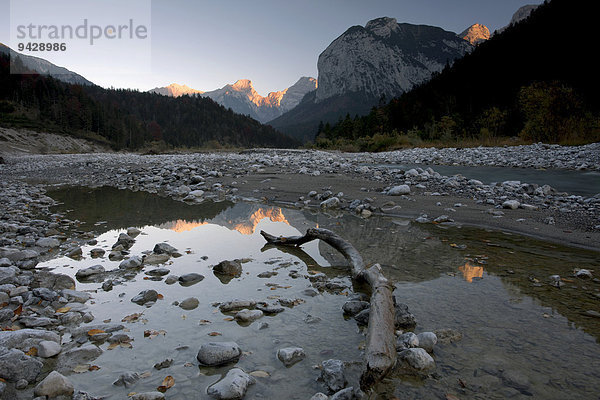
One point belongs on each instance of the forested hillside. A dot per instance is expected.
(125, 118)
(535, 81)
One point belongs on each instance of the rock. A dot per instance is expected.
(171, 279)
(362, 318)
(319, 396)
(87, 272)
(236, 305)
(290, 355)
(15, 365)
(133, 232)
(353, 307)
(131, 263)
(158, 272)
(398, 190)
(404, 319)
(246, 315)
(218, 353)
(127, 379)
(332, 202)
(145, 296)
(448, 335)
(417, 359)
(97, 252)
(230, 268)
(164, 248)
(427, 340)
(124, 240)
(47, 349)
(232, 387)
(48, 242)
(74, 295)
(511, 204)
(8, 274)
(45, 294)
(154, 259)
(190, 279)
(332, 374)
(347, 394)
(54, 385)
(269, 309)
(583, 274)
(407, 340)
(189, 304)
(74, 252)
(148, 396)
(23, 339)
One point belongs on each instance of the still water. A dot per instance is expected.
(521, 337)
(580, 183)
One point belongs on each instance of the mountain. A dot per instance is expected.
(125, 118)
(521, 14)
(243, 99)
(530, 81)
(383, 58)
(175, 90)
(475, 34)
(43, 67)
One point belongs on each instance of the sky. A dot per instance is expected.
(207, 44)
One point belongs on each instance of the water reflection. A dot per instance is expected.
(512, 320)
(471, 271)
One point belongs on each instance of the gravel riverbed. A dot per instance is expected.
(41, 306)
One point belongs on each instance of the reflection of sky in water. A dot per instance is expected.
(507, 323)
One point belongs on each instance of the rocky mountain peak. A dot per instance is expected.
(243, 85)
(475, 34)
(382, 27)
(385, 58)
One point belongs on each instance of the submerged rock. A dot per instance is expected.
(189, 304)
(333, 375)
(290, 355)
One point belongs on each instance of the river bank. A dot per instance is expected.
(361, 184)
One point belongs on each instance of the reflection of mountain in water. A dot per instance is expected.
(471, 272)
(124, 208)
(244, 219)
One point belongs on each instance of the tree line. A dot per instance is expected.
(534, 81)
(123, 118)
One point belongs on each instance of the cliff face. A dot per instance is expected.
(385, 57)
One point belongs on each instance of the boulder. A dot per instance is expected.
(218, 353)
(232, 387)
(54, 385)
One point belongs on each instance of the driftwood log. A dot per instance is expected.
(380, 351)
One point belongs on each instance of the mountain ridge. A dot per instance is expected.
(242, 98)
(43, 67)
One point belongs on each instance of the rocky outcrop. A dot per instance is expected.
(385, 58)
(521, 14)
(175, 90)
(475, 34)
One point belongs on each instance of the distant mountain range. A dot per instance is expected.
(242, 98)
(43, 67)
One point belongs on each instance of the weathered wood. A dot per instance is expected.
(380, 351)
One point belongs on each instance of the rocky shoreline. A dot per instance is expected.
(40, 306)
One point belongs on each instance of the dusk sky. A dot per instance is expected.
(207, 44)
